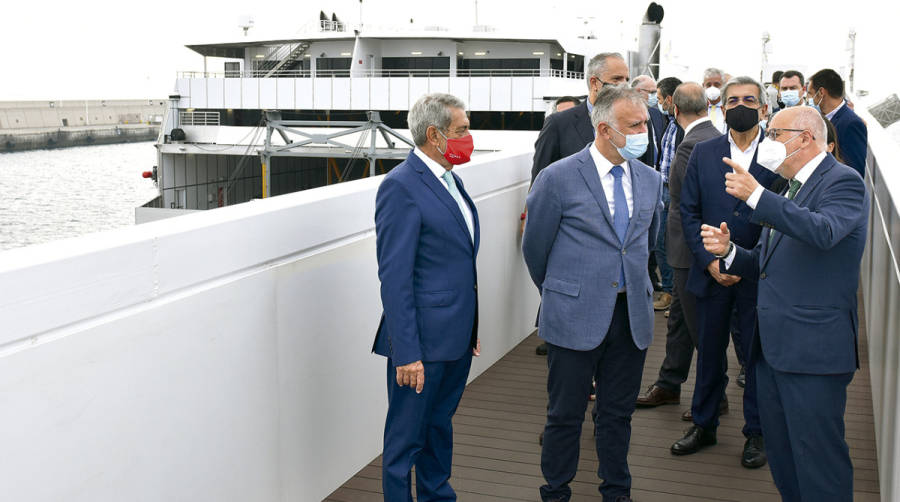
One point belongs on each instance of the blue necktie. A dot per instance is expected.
(620, 215)
(454, 192)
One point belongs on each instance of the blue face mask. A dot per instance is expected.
(663, 110)
(812, 102)
(763, 123)
(790, 97)
(653, 101)
(635, 144)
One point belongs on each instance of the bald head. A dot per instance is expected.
(804, 118)
(690, 103)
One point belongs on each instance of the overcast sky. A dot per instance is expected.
(115, 49)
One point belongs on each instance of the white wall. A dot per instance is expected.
(222, 355)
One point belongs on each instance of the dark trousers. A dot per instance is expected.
(616, 365)
(714, 313)
(419, 432)
(803, 420)
(681, 334)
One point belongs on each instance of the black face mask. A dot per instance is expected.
(741, 119)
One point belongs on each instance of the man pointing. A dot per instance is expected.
(807, 264)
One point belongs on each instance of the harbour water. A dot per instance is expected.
(47, 195)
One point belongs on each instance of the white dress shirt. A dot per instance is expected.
(604, 167)
(438, 170)
(695, 124)
(744, 157)
(802, 176)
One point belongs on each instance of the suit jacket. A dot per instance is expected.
(678, 254)
(426, 264)
(564, 133)
(807, 305)
(573, 253)
(656, 126)
(852, 137)
(704, 200)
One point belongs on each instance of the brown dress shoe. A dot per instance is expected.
(687, 416)
(656, 396)
(664, 301)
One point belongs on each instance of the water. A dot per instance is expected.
(47, 195)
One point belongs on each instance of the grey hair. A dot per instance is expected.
(597, 65)
(431, 110)
(809, 119)
(640, 79)
(690, 99)
(608, 97)
(761, 94)
(713, 72)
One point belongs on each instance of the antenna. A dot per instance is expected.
(245, 22)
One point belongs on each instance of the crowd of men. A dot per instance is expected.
(748, 203)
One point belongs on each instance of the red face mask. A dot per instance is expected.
(459, 150)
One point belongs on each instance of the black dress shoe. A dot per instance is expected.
(656, 396)
(695, 439)
(742, 378)
(754, 455)
(541, 349)
(623, 498)
(688, 415)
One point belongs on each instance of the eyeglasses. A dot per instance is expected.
(750, 101)
(773, 132)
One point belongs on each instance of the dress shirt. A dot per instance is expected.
(744, 157)
(802, 176)
(668, 150)
(830, 115)
(609, 181)
(717, 115)
(695, 124)
(438, 171)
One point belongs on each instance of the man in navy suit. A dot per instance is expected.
(569, 131)
(426, 230)
(718, 295)
(826, 91)
(592, 220)
(807, 264)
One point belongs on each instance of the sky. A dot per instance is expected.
(102, 49)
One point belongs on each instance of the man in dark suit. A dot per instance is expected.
(656, 121)
(426, 230)
(807, 264)
(718, 294)
(596, 306)
(826, 91)
(689, 104)
(568, 132)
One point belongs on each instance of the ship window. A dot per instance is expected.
(417, 66)
(576, 63)
(556, 64)
(232, 70)
(499, 67)
(332, 66)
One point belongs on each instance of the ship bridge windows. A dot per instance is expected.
(338, 67)
(416, 66)
(576, 63)
(497, 67)
(232, 69)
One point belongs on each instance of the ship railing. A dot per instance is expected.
(382, 73)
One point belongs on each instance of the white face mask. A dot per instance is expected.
(771, 154)
(713, 93)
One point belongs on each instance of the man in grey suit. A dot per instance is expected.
(681, 337)
(592, 219)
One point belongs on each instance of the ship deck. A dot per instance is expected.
(497, 456)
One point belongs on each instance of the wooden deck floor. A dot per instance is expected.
(497, 456)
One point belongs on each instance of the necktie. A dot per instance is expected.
(620, 214)
(792, 191)
(454, 191)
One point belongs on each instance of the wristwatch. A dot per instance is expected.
(727, 252)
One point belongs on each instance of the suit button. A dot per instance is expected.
(737, 213)
(615, 285)
(623, 251)
(762, 276)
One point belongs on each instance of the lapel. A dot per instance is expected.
(805, 190)
(440, 191)
(637, 177)
(583, 122)
(589, 172)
